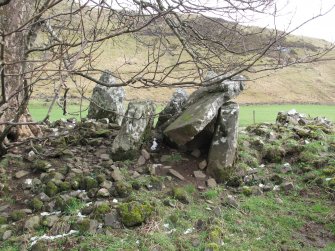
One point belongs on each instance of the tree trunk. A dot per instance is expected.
(15, 90)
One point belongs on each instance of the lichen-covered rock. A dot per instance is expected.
(200, 110)
(222, 152)
(135, 129)
(107, 102)
(51, 189)
(122, 189)
(134, 213)
(36, 204)
(174, 107)
(180, 194)
(17, 215)
(40, 165)
(89, 183)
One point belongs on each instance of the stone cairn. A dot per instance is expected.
(206, 120)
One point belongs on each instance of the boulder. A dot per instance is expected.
(174, 107)
(222, 152)
(135, 129)
(200, 110)
(107, 102)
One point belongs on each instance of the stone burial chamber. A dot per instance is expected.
(207, 121)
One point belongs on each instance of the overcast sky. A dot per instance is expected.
(292, 14)
(301, 10)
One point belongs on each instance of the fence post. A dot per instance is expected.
(254, 116)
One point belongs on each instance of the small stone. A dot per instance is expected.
(279, 200)
(287, 186)
(211, 183)
(176, 174)
(199, 175)
(104, 157)
(286, 168)
(6, 235)
(135, 175)
(145, 154)
(103, 192)
(196, 153)
(21, 174)
(141, 161)
(117, 175)
(106, 184)
(31, 156)
(32, 223)
(252, 171)
(27, 184)
(49, 221)
(231, 201)
(203, 164)
(111, 220)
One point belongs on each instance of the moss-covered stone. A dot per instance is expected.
(65, 186)
(180, 194)
(36, 204)
(51, 189)
(123, 189)
(101, 210)
(3, 220)
(212, 247)
(101, 178)
(134, 213)
(89, 183)
(247, 191)
(82, 226)
(215, 234)
(17, 215)
(41, 165)
(273, 153)
(234, 181)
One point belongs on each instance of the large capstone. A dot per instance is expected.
(174, 107)
(200, 110)
(222, 152)
(135, 129)
(107, 102)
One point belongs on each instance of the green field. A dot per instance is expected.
(263, 113)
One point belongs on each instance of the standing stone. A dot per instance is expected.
(107, 102)
(173, 108)
(200, 110)
(222, 152)
(135, 129)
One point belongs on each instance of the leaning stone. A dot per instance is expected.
(200, 110)
(174, 107)
(21, 174)
(135, 129)
(107, 102)
(176, 174)
(222, 152)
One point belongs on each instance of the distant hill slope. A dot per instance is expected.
(308, 83)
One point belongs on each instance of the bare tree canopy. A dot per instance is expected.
(59, 42)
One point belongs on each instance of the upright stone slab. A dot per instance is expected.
(200, 110)
(174, 107)
(135, 129)
(222, 152)
(107, 102)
